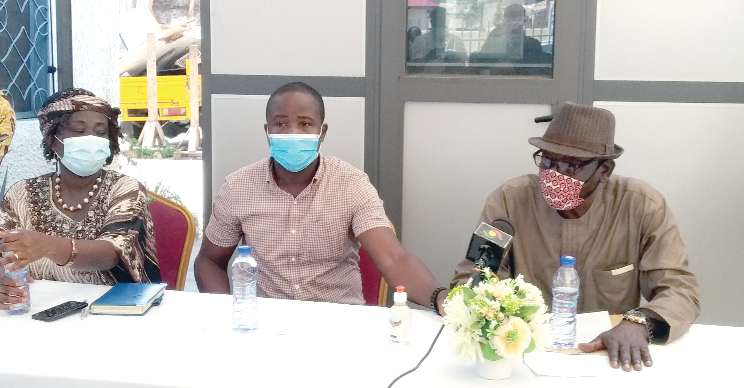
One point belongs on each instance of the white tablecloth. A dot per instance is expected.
(188, 341)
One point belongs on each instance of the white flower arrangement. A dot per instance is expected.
(497, 319)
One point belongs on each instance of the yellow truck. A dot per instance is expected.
(173, 97)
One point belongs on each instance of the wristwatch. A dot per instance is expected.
(636, 316)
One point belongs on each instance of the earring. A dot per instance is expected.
(54, 162)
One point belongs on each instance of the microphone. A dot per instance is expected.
(488, 247)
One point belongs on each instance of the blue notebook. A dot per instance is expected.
(128, 299)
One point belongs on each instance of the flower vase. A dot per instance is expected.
(494, 370)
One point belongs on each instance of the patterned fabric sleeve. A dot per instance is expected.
(128, 227)
(8, 215)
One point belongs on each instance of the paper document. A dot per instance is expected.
(573, 362)
(590, 325)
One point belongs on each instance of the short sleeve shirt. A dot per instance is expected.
(306, 247)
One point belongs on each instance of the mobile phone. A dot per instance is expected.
(59, 311)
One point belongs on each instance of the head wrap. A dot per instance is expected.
(69, 101)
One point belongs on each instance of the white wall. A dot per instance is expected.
(670, 40)
(24, 159)
(239, 139)
(689, 152)
(95, 48)
(454, 156)
(289, 37)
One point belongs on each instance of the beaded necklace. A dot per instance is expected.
(71, 208)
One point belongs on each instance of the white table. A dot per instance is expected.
(188, 341)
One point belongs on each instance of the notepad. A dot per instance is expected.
(128, 299)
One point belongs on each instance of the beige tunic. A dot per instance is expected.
(626, 246)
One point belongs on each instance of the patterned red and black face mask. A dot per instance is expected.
(561, 192)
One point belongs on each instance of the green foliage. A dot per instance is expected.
(155, 152)
(527, 310)
(489, 353)
(165, 191)
(468, 294)
(531, 347)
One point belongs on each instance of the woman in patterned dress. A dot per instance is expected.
(80, 224)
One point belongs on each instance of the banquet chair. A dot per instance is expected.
(374, 286)
(174, 229)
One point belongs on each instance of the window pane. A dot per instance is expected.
(480, 37)
(25, 54)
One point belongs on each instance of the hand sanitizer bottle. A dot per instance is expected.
(400, 318)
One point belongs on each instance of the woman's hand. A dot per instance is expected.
(11, 293)
(25, 246)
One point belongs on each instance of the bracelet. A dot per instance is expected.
(434, 296)
(641, 318)
(73, 254)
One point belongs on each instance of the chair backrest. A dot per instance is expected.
(374, 286)
(174, 229)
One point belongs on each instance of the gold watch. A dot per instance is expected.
(636, 316)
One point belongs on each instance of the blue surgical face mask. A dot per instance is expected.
(294, 151)
(85, 155)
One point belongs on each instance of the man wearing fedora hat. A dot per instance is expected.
(621, 231)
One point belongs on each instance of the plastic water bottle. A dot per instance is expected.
(565, 300)
(22, 276)
(400, 318)
(245, 279)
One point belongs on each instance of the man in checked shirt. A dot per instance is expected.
(305, 215)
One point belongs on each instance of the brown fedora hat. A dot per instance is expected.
(580, 131)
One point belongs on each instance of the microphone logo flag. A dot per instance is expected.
(494, 235)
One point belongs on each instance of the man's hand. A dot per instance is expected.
(626, 344)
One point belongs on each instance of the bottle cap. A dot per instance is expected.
(244, 250)
(568, 260)
(400, 294)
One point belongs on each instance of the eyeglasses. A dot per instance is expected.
(567, 168)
